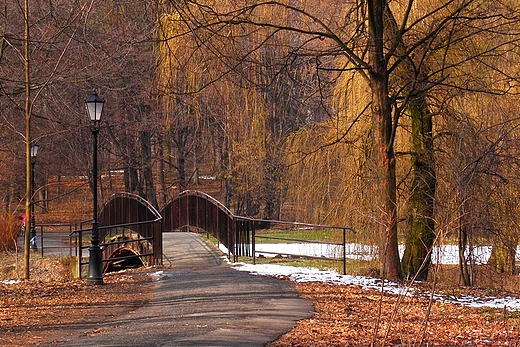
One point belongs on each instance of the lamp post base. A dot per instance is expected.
(94, 277)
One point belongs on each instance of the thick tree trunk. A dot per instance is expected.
(419, 241)
(388, 248)
(383, 138)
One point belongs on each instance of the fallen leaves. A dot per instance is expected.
(351, 316)
(32, 312)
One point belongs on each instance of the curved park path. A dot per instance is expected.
(201, 301)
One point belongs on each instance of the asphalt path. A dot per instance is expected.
(200, 300)
(51, 243)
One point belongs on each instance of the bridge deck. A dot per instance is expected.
(199, 300)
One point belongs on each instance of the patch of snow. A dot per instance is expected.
(158, 275)
(207, 177)
(308, 274)
(8, 282)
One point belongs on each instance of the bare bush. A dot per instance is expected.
(9, 227)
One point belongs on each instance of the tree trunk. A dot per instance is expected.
(181, 169)
(383, 138)
(28, 106)
(162, 179)
(388, 249)
(146, 148)
(503, 254)
(131, 178)
(465, 274)
(420, 238)
(419, 241)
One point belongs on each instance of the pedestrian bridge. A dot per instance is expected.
(131, 229)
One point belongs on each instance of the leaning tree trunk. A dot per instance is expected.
(419, 241)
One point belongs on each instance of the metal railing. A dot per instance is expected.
(54, 239)
(80, 234)
(297, 225)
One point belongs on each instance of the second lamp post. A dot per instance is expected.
(94, 109)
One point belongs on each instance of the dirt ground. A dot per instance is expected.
(33, 312)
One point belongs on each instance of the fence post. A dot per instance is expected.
(253, 241)
(70, 232)
(79, 245)
(344, 251)
(41, 238)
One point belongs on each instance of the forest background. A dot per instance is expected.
(396, 118)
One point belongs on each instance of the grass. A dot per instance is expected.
(353, 266)
(41, 269)
(324, 235)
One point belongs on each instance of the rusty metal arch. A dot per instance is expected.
(196, 209)
(126, 211)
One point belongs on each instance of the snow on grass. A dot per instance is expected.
(306, 274)
(446, 254)
(303, 274)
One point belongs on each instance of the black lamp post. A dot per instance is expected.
(34, 151)
(94, 109)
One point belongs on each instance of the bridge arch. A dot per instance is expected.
(129, 227)
(196, 209)
(123, 258)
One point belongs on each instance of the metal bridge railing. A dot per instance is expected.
(82, 241)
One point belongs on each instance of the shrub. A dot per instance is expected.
(9, 228)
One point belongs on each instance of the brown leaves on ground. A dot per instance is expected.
(33, 312)
(352, 316)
